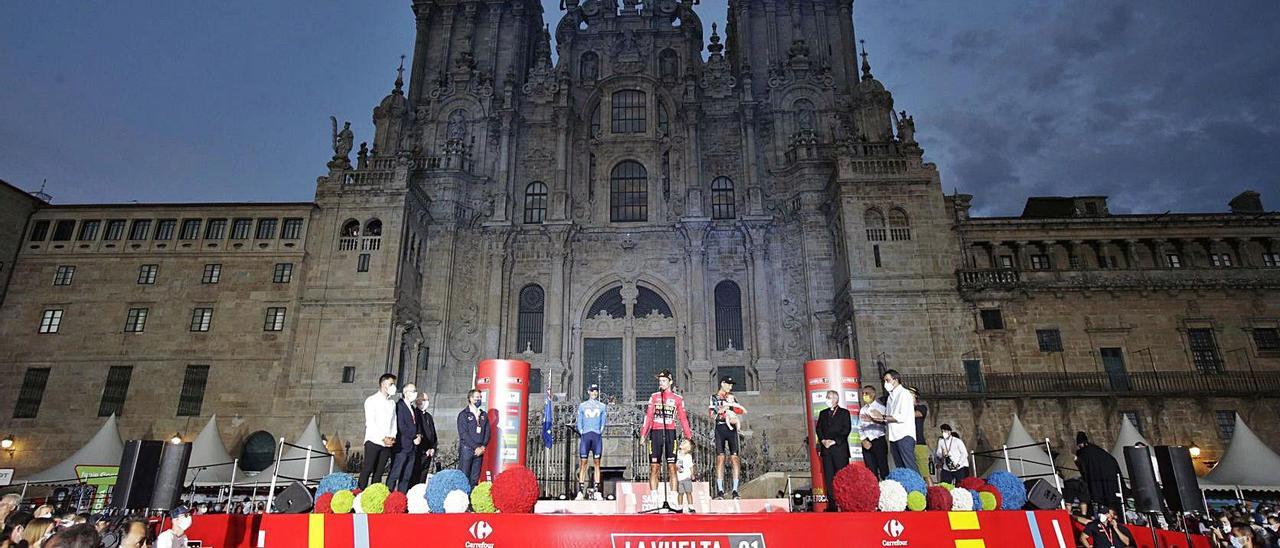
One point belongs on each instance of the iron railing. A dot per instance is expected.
(981, 279)
(1157, 383)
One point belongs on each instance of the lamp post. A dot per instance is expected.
(8, 445)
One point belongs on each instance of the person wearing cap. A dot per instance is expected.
(176, 535)
(664, 409)
(592, 418)
(727, 440)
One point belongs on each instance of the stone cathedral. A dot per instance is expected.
(639, 205)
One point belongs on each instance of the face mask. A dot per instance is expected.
(1103, 518)
(410, 396)
(424, 404)
(1237, 542)
(182, 522)
(946, 435)
(868, 399)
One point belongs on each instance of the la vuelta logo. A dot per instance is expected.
(688, 540)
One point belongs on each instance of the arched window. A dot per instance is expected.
(628, 192)
(373, 228)
(649, 302)
(595, 121)
(899, 225)
(722, 204)
(629, 111)
(664, 120)
(589, 66)
(609, 303)
(668, 65)
(806, 116)
(728, 315)
(351, 229)
(875, 225)
(457, 128)
(535, 203)
(529, 323)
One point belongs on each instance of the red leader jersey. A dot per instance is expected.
(664, 408)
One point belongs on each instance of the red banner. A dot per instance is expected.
(504, 387)
(1043, 529)
(819, 377)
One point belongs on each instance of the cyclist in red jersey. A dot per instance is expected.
(665, 408)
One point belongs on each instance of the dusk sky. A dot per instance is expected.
(1161, 105)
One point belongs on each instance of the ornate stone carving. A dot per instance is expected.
(462, 343)
(342, 142)
(630, 53)
(717, 78)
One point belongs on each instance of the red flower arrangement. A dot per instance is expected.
(396, 503)
(322, 504)
(515, 491)
(972, 483)
(988, 488)
(856, 489)
(938, 498)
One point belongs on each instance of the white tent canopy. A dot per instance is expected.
(1128, 436)
(103, 449)
(1247, 464)
(1025, 462)
(294, 461)
(208, 450)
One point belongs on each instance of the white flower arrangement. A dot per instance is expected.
(456, 502)
(893, 496)
(961, 500)
(417, 496)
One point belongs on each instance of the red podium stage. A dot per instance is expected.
(1000, 529)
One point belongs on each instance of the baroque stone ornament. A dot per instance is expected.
(342, 143)
(717, 78)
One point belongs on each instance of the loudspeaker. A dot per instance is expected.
(137, 477)
(295, 499)
(1142, 480)
(1042, 495)
(1181, 486)
(170, 475)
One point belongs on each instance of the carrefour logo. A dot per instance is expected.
(894, 529)
(480, 530)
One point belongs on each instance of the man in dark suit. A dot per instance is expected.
(833, 429)
(473, 436)
(404, 459)
(427, 449)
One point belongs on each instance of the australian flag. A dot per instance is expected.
(547, 438)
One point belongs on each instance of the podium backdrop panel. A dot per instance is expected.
(504, 389)
(820, 376)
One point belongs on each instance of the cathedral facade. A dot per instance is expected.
(632, 207)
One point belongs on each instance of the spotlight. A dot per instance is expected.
(7, 444)
(1194, 450)
(176, 439)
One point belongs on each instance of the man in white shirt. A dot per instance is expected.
(379, 429)
(953, 457)
(875, 448)
(900, 420)
(176, 535)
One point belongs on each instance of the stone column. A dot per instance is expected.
(629, 294)
(1046, 248)
(758, 251)
(696, 233)
(1241, 248)
(1099, 248)
(555, 310)
(1158, 260)
(1131, 254)
(1073, 250)
(1020, 255)
(992, 260)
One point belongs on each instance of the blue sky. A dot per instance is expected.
(1162, 105)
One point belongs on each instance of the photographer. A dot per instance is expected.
(952, 457)
(1106, 531)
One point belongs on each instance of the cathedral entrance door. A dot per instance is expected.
(628, 336)
(653, 354)
(602, 365)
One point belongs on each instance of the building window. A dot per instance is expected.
(992, 320)
(192, 397)
(1050, 340)
(275, 319)
(283, 273)
(63, 230)
(1226, 424)
(348, 374)
(115, 391)
(629, 111)
(165, 229)
(266, 229)
(89, 230)
(201, 319)
(529, 323)
(1135, 419)
(140, 229)
(535, 381)
(722, 202)
(147, 274)
(216, 229)
(668, 65)
(211, 274)
(1221, 260)
(115, 230)
(589, 66)
(899, 225)
(64, 274)
(1266, 339)
(1074, 262)
(1204, 350)
(190, 229)
(1006, 261)
(874, 220)
(240, 229)
(1108, 262)
(32, 393)
(39, 231)
(628, 192)
(535, 203)
(1040, 262)
(50, 321)
(1271, 260)
(362, 263)
(875, 252)
(136, 322)
(728, 303)
(1173, 260)
(291, 230)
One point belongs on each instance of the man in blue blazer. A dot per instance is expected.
(404, 457)
(473, 436)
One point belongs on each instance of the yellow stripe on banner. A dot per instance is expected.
(315, 531)
(971, 543)
(963, 521)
